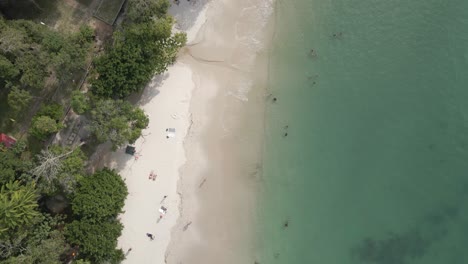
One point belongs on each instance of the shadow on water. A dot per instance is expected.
(395, 249)
(406, 247)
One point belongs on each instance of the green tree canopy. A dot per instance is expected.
(18, 205)
(117, 121)
(12, 39)
(98, 199)
(43, 126)
(35, 244)
(58, 169)
(18, 99)
(33, 68)
(12, 166)
(97, 241)
(47, 121)
(9, 165)
(52, 110)
(30, 53)
(80, 102)
(48, 251)
(145, 10)
(99, 196)
(140, 50)
(8, 70)
(68, 53)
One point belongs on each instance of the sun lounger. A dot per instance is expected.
(163, 210)
(170, 132)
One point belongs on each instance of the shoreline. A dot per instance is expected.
(214, 98)
(220, 181)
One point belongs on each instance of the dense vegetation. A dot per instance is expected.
(52, 209)
(34, 60)
(117, 121)
(95, 204)
(142, 48)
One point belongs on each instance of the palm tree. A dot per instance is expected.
(18, 205)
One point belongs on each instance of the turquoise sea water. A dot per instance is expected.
(374, 169)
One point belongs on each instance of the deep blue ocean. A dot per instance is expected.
(373, 96)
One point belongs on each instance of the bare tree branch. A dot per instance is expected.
(50, 164)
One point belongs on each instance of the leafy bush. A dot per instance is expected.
(52, 110)
(117, 121)
(18, 99)
(11, 165)
(47, 121)
(139, 51)
(43, 126)
(99, 196)
(17, 207)
(97, 241)
(79, 102)
(145, 10)
(97, 202)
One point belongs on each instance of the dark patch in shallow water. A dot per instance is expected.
(395, 249)
(409, 246)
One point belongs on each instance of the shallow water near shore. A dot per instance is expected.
(374, 165)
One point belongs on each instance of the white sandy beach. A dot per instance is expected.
(209, 175)
(166, 103)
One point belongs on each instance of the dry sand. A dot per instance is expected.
(214, 99)
(166, 101)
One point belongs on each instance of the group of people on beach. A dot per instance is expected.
(177, 2)
(152, 176)
(162, 211)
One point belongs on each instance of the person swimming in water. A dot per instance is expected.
(337, 35)
(312, 53)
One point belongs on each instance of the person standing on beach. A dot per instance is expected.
(151, 237)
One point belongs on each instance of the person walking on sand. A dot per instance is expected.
(151, 237)
(128, 251)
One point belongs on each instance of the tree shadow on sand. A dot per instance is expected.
(32, 9)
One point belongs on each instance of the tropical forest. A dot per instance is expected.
(69, 75)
